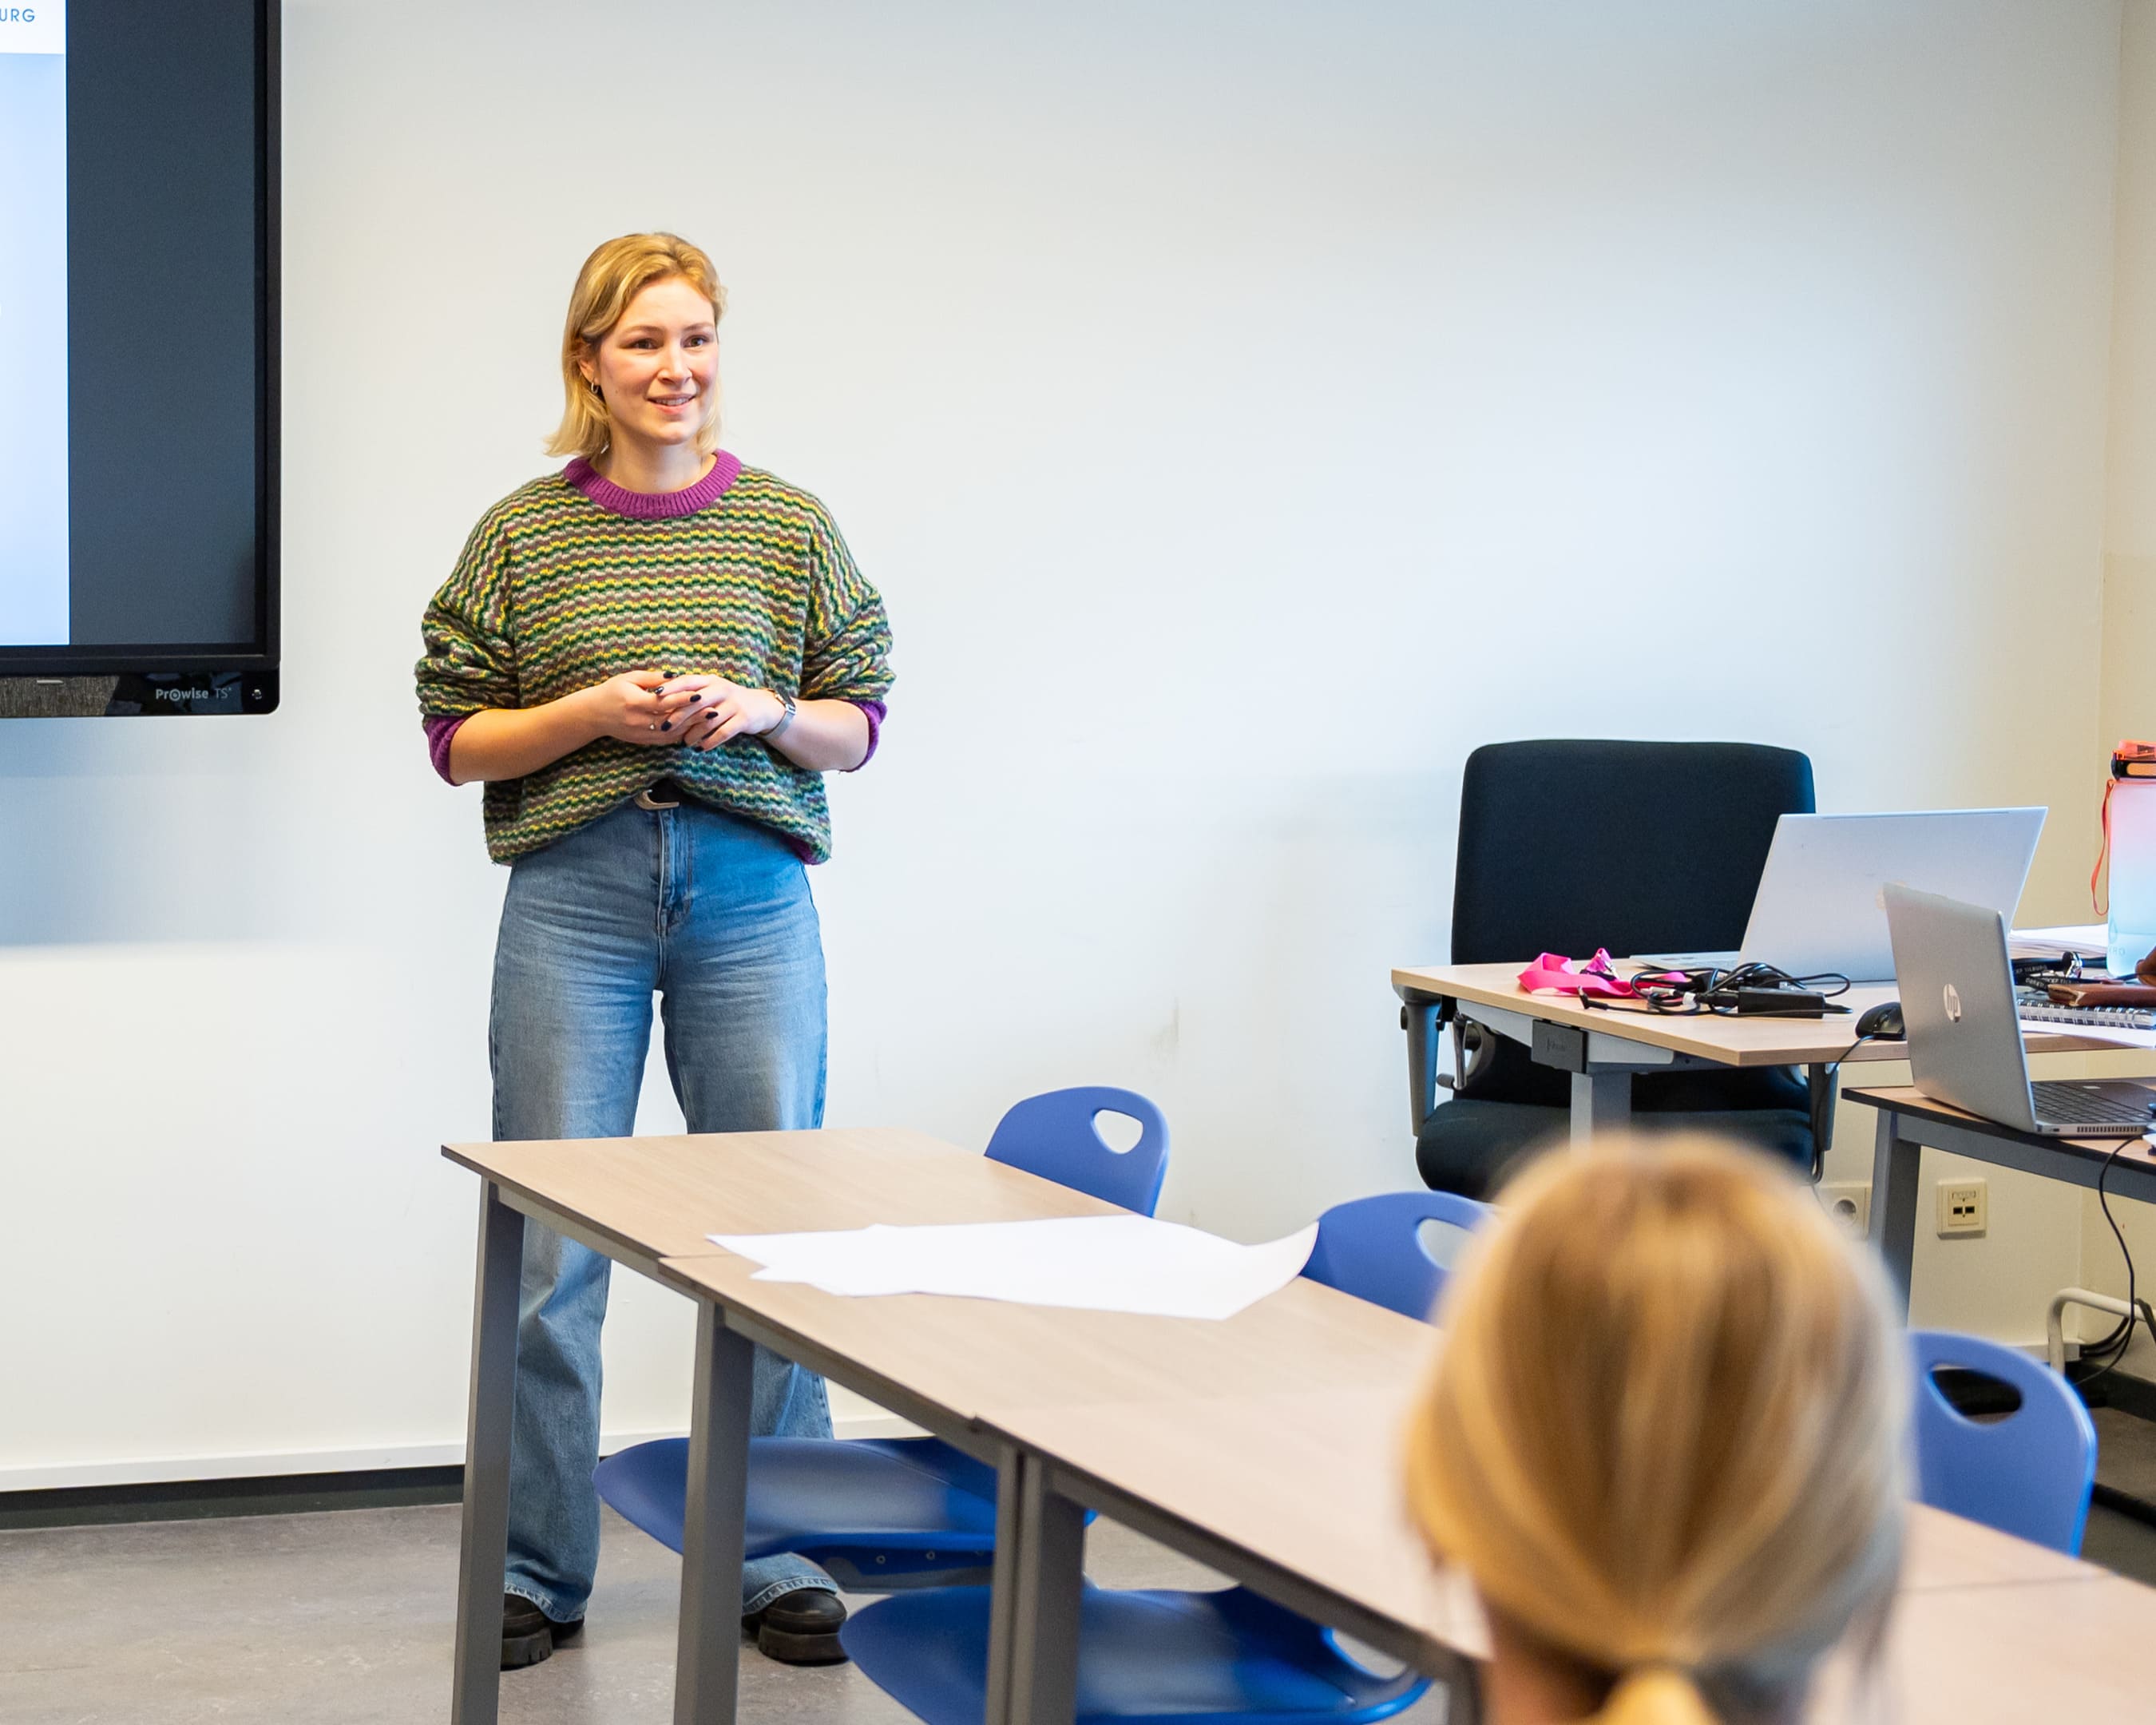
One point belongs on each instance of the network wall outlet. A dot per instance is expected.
(1963, 1208)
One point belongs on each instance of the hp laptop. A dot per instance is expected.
(1964, 1041)
(1818, 907)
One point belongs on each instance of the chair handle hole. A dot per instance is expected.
(1976, 1396)
(1441, 1242)
(1121, 1132)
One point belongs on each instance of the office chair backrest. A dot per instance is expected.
(1373, 1248)
(1639, 847)
(1053, 1135)
(2030, 1473)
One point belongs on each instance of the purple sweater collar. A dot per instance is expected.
(655, 506)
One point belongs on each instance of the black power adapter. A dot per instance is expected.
(1780, 1002)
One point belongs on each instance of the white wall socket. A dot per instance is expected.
(1964, 1207)
(1849, 1201)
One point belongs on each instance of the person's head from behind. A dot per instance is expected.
(640, 349)
(1664, 1436)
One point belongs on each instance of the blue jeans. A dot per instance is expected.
(714, 915)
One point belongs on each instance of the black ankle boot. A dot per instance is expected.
(528, 1635)
(800, 1628)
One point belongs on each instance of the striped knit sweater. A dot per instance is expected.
(570, 580)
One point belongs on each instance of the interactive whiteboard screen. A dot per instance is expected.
(138, 343)
(33, 496)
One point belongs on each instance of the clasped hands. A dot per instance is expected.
(650, 708)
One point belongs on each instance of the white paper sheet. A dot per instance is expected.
(1096, 1263)
(2091, 940)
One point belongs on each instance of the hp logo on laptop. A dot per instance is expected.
(1952, 995)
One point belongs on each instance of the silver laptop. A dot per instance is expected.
(1819, 908)
(1957, 990)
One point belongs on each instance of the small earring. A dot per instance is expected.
(592, 384)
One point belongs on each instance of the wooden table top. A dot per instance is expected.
(2009, 1654)
(1707, 1036)
(1309, 1482)
(970, 1358)
(656, 1197)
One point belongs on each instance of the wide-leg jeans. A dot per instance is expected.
(713, 916)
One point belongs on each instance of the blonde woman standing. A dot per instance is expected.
(650, 658)
(1664, 1437)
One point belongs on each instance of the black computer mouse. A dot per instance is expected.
(1883, 1021)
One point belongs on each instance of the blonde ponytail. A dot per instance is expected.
(1656, 1695)
(1663, 1431)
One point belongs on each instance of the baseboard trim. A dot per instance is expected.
(195, 1499)
(284, 1485)
(208, 1476)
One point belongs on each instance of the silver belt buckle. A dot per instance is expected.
(644, 800)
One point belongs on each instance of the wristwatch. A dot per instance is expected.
(786, 718)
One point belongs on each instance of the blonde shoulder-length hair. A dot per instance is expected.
(614, 274)
(1663, 1433)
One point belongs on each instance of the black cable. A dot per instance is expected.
(1821, 1106)
(1707, 989)
(1773, 976)
(2124, 1332)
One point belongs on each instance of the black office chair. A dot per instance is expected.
(1639, 847)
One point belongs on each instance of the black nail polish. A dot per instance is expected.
(667, 726)
(694, 698)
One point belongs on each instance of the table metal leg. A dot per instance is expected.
(1003, 1594)
(476, 1689)
(1463, 1693)
(707, 1660)
(1601, 1102)
(1033, 1615)
(1895, 1161)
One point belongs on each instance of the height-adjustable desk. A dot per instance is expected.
(1603, 1049)
(1909, 1120)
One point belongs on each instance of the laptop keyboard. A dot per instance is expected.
(2061, 1104)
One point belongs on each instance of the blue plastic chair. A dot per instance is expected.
(1372, 1247)
(1227, 1657)
(1144, 1658)
(1057, 1135)
(891, 1512)
(2030, 1473)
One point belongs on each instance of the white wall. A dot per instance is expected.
(2129, 586)
(1245, 413)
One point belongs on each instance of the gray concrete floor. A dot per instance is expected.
(349, 1616)
(2125, 1462)
(2121, 1543)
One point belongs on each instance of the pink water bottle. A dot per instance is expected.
(2129, 841)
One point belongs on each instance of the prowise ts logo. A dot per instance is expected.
(180, 697)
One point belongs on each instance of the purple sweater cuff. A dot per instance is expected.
(873, 711)
(442, 726)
